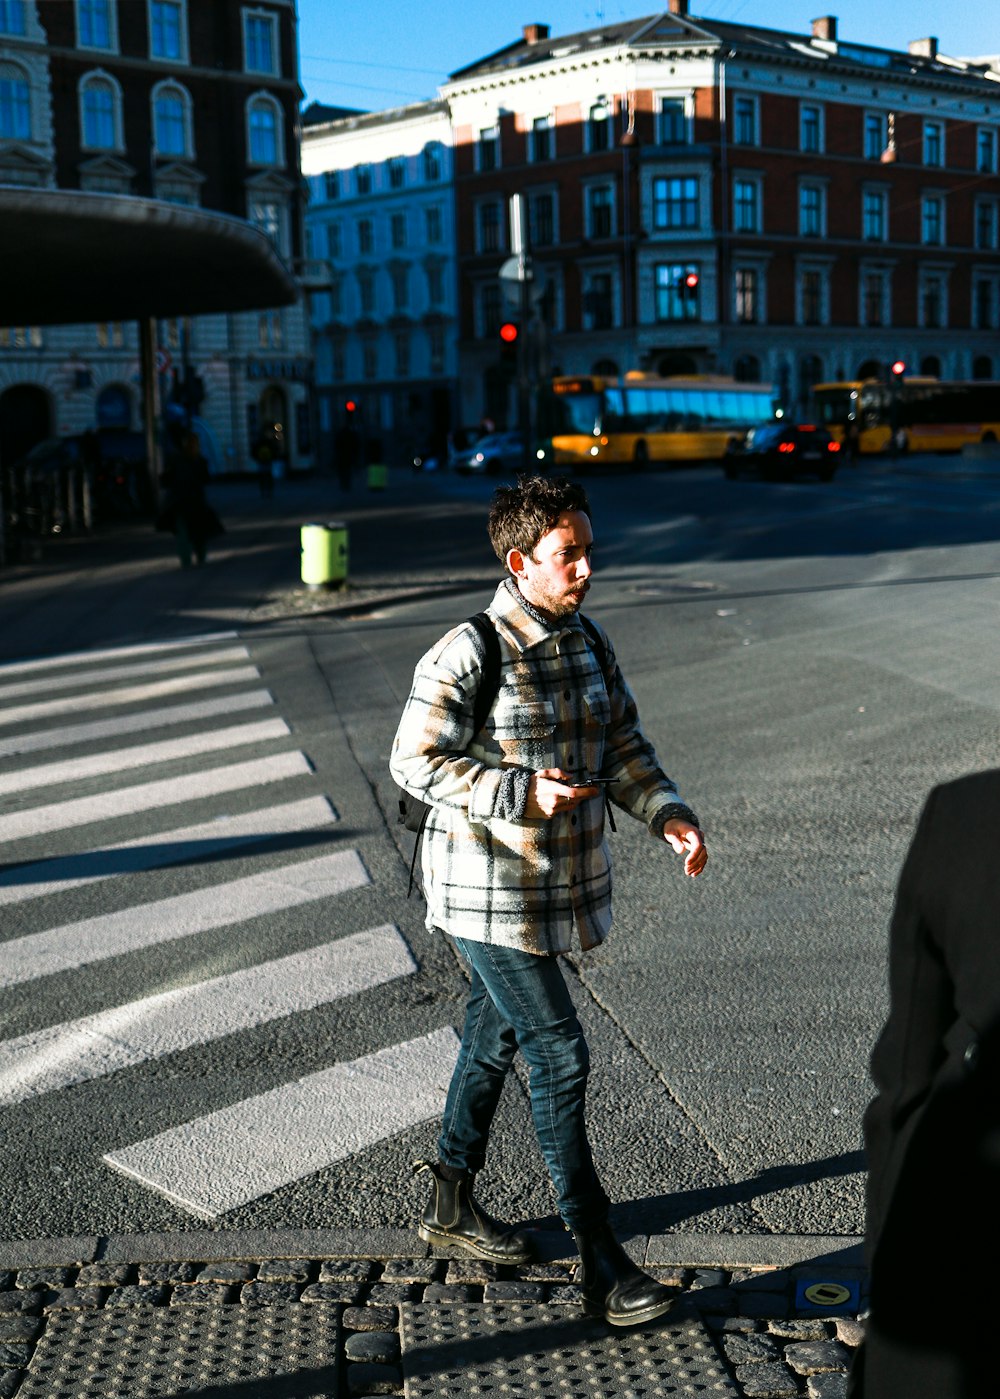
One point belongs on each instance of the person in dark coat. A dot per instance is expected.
(932, 1133)
(186, 511)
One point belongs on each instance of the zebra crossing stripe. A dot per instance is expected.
(147, 796)
(110, 653)
(188, 846)
(145, 925)
(77, 679)
(165, 717)
(145, 755)
(240, 1153)
(105, 699)
(95, 1045)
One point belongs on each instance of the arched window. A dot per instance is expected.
(100, 105)
(931, 366)
(264, 131)
(15, 103)
(605, 368)
(171, 120)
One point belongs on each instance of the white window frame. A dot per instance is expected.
(991, 205)
(271, 19)
(684, 101)
(398, 220)
(172, 85)
(493, 132)
(483, 289)
(554, 286)
(362, 221)
(802, 267)
(21, 33)
(882, 194)
(98, 77)
(262, 98)
(335, 240)
(601, 102)
(497, 203)
(991, 134)
(741, 177)
(279, 203)
(395, 165)
(925, 197)
(820, 111)
(925, 276)
(111, 9)
(930, 126)
(437, 212)
(550, 192)
(754, 101)
(760, 269)
(666, 230)
(589, 188)
(820, 188)
(866, 270)
(883, 119)
(184, 55)
(547, 122)
(15, 73)
(587, 275)
(400, 280)
(991, 279)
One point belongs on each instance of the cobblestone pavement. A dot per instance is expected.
(123, 1317)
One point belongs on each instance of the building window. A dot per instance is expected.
(600, 211)
(331, 184)
(488, 227)
(435, 335)
(675, 202)
(20, 337)
(748, 295)
(366, 237)
(489, 309)
(369, 359)
(401, 345)
(171, 121)
(400, 277)
(15, 103)
(99, 107)
(986, 223)
(260, 42)
(677, 288)
(397, 229)
(932, 219)
(542, 219)
(986, 150)
(810, 128)
(363, 179)
(397, 173)
(875, 139)
(984, 313)
(873, 204)
(812, 297)
(366, 291)
(432, 163)
(94, 21)
(12, 20)
(746, 206)
(435, 284)
(166, 29)
(336, 298)
(264, 125)
(811, 211)
(745, 121)
(488, 149)
(334, 240)
(266, 214)
(932, 302)
(110, 335)
(598, 301)
(542, 142)
(599, 126)
(433, 224)
(933, 143)
(874, 298)
(673, 121)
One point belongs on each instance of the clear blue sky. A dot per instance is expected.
(356, 53)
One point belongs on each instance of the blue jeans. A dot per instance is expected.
(520, 1001)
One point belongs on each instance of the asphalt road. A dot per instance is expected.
(809, 660)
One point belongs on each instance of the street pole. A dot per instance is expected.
(150, 403)
(519, 248)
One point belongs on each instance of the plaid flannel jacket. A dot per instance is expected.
(491, 874)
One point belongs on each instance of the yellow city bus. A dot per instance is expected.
(915, 415)
(594, 421)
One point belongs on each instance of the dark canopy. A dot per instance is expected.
(74, 256)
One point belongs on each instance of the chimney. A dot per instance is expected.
(826, 28)
(923, 48)
(678, 7)
(535, 33)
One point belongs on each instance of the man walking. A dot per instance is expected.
(516, 868)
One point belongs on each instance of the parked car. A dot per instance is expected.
(501, 451)
(779, 451)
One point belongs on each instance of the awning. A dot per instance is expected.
(74, 256)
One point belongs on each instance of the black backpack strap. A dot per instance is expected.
(489, 681)
(601, 652)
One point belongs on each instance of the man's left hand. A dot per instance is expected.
(687, 840)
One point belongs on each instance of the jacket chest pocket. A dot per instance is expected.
(524, 730)
(597, 708)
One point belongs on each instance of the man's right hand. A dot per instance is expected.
(550, 793)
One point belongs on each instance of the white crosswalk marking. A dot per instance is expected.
(72, 734)
(126, 759)
(234, 1156)
(114, 653)
(145, 925)
(95, 1045)
(186, 846)
(133, 694)
(77, 679)
(168, 791)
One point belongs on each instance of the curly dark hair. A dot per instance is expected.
(521, 514)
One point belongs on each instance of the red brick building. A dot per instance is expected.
(722, 197)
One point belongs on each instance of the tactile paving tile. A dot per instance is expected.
(163, 1352)
(507, 1351)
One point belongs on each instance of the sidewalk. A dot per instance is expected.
(290, 1314)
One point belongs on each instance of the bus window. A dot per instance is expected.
(713, 406)
(614, 411)
(695, 404)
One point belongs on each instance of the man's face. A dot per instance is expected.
(555, 579)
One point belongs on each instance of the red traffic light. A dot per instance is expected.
(508, 332)
(691, 280)
(899, 368)
(351, 406)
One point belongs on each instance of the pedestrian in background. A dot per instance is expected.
(186, 511)
(932, 1133)
(516, 869)
(263, 454)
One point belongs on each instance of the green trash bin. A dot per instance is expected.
(324, 554)
(377, 477)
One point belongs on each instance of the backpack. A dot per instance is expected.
(413, 812)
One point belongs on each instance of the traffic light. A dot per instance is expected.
(510, 337)
(350, 409)
(690, 281)
(898, 369)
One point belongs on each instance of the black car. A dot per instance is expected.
(779, 451)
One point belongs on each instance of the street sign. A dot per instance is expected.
(514, 273)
